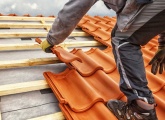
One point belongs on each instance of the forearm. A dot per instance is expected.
(67, 20)
(161, 38)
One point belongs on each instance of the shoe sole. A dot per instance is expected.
(111, 109)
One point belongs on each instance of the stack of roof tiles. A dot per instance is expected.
(91, 78)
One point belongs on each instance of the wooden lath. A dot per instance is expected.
(37, 84)
(55, 116)
(23, 25)
(28, 62)
(23, 87)
(34, 34)
(19, 18)
(30, 46)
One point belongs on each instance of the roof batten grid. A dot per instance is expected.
(109, 83)
(32, 62)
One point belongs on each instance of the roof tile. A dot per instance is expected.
(97, 112)
(84, 88)
(92, 89)
(64, 55)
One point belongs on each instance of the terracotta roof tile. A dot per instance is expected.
(90, 27)
(160, 107)
(26, 15)
(64, 55)
(12, 14)
(92, 19)
(88, 66)
(104, 26)
(154, 82)
(102, 19)
(92, 89)
(84, 87)
(104, 59)
(96, 112)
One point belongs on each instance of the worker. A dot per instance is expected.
(138, 21)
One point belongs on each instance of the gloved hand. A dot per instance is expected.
(158, 61)
(46, 47)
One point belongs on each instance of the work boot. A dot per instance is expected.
(124, 111)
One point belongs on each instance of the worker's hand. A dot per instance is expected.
(158, 61)
(46, 47)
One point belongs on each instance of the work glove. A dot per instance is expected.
(46, 47)
(158, 61)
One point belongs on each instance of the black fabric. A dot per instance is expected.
(106, 4)
(144, 1)
(150, 29)
(128, 56)
(161, 39)
(132, 61)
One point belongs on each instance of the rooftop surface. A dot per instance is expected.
(81, 73)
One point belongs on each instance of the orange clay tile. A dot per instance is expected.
(101, 34)
(111, 24)
(109, 30)
(160, 109)
(97, 112)
(147, 52)
(92, 89)
(71, 84)
(92, 19)
(154, 82)
(90, 27)
(110, 18)
(82, 21)
(150, 45)
(160, 93)
(104, 26)
(12, 14)
(104, 85)
(64, 55)
(102, 19)
(1, 14)
(96, 79)
(115, 76)
(154, 49)
(88, 65)
(160, 76)
(26, 15)
(146, 60)
(92, 61)
(113, 20)
(40, 15)
(93, 27)
(103, 59)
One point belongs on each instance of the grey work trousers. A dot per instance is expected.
(127, 50)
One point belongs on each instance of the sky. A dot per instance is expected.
(46, 7)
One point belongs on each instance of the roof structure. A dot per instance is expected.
(81, 73)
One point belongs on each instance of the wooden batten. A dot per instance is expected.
(21, 25)
(55, 116)
(19, 18)
(34, 34)
(30, 46)
(23, 87)
(28, 62)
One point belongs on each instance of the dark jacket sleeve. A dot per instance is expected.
(67, 20)
(144, 1)
(161, 39)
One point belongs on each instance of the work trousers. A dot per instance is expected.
(127, 50)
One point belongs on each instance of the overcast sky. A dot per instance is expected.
(46, 7)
